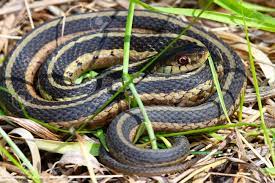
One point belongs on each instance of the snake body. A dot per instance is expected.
(59, 51)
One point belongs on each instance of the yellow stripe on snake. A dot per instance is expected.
(177, 89)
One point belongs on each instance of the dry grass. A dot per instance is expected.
(233, 155)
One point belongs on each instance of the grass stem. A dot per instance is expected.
(126, 77)
(257, 90)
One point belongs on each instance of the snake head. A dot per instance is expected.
(182, 59)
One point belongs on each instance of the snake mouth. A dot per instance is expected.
(182, 59)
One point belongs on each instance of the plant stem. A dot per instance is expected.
(15, 162)
(218, 87)
(147, 121)
(19, 153)
(127, 39)
(208, 129)
(126, 77)
(257, 90)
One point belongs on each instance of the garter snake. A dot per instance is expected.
(60, 52)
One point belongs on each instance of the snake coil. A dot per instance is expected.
(52, 56)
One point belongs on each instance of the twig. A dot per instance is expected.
(36, 4)
(197, 171)
(85, 153)
(234, 175)
(10, 37)
(269, 165)
(29, 13)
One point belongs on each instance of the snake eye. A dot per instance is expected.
(183, 60)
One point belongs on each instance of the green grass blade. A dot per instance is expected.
(19, 153)
(147, 122)
(126, 53)
(206, 130)
(2, 59)
(238, 8)
(218, 88)
(125, 73)
(256, 87)
(216, 16)
(16, 163)
(2, 112)
(240, 115)
(127, 39)
(126, 56)
(66, 147)
(257, 7)
(101, 136)
(139, 132)
(165, 141)
(218, 137)
(153, 59)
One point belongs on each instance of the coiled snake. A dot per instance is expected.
(54, 54)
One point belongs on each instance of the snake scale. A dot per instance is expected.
(53, 55)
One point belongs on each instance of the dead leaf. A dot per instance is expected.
(33, 127)
(263, 61)
(28, 137)
(76, 158)
(6, 176)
